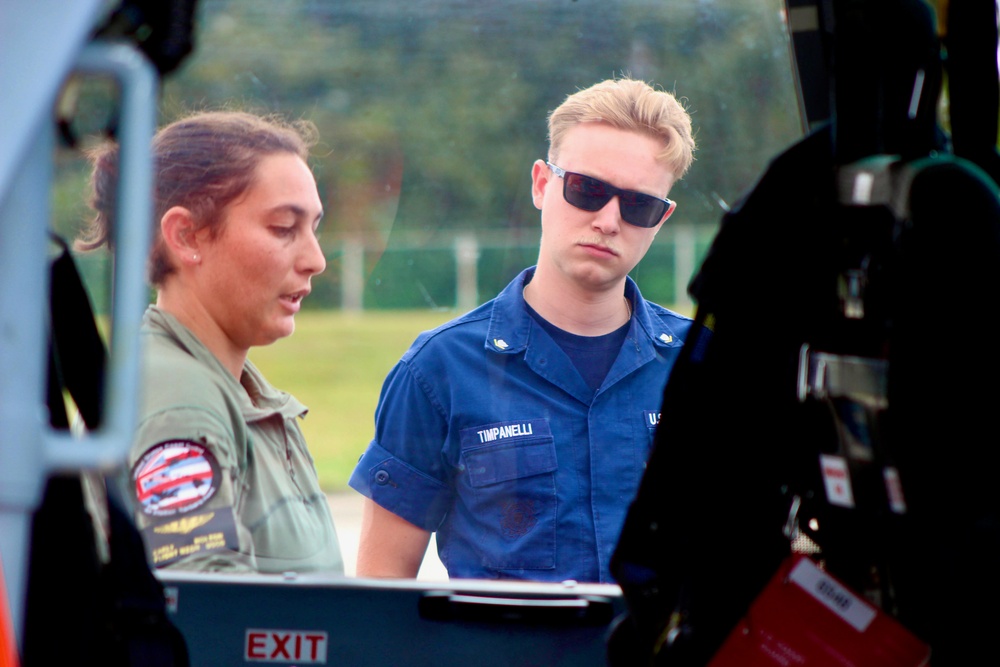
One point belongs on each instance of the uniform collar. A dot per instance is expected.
(510, 321)
(258, 399)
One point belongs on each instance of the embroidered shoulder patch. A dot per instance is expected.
(171, 539)
(174, 477)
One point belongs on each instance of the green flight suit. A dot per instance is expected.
(219, 469)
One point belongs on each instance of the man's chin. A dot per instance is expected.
(597, 278)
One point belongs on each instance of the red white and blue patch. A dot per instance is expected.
(175, 477)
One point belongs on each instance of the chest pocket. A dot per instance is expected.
(510, 494)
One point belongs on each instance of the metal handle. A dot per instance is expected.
(579, 610)
(108, 445)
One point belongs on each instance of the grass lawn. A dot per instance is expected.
(335, 363)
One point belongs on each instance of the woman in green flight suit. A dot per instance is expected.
(219, 470)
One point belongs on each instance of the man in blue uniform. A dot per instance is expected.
(519, 432)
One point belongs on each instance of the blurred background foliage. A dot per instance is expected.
(430, 114)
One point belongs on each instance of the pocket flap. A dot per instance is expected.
(500, 463)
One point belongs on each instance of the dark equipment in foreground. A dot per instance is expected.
(857, 428)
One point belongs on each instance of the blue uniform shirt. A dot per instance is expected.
(486, 433)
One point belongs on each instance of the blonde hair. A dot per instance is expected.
(628, 104)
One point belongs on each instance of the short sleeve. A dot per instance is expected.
(405, 467)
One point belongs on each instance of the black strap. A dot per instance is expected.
(77, 357)
(111, 614)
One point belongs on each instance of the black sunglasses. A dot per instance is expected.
(591, 194)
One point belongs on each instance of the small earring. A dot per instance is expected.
(194, 257)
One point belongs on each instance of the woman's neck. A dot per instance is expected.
(192, 315)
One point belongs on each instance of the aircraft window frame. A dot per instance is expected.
(430, 115)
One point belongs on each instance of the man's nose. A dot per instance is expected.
(608, 220)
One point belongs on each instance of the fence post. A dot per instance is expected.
(352, 274)
(684, 253)
(466, 272)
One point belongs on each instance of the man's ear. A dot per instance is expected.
(180, 235)
(659, 225)
(540, 175)
(670, 212)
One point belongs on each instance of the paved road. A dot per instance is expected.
(346, 510)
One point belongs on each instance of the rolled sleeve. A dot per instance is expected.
(400, 488)
(404, 468)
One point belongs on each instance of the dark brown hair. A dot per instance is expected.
(202, 162)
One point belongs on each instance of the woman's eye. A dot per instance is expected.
(282, 231)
